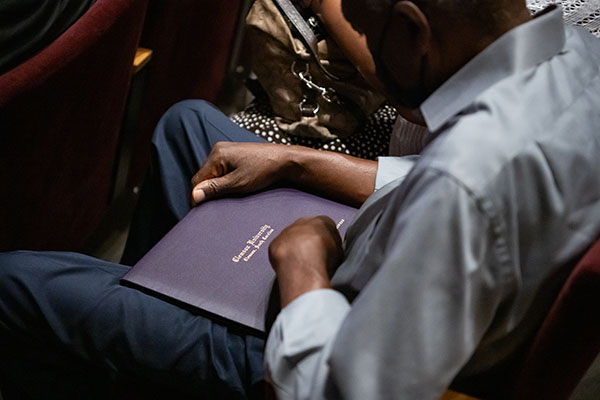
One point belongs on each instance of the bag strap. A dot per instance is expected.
(296, 22)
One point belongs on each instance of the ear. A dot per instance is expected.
(405, 52)
(414, 23)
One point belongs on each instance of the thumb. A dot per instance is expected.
(210, 188)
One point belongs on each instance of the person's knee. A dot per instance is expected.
(176, 122)
(188, 108)
(12, 264)
(16, 285)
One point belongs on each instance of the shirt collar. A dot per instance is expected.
(520, 48)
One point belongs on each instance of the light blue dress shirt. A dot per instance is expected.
(453, 261)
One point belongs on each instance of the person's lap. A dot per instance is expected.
(52, 301)
(182, 140)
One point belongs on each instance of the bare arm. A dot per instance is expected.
(354, 45)
(349, 179)
(247, 167)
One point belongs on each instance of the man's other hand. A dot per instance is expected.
(305, 255)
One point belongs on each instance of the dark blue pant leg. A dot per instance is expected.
(62, 312)
(182, 140)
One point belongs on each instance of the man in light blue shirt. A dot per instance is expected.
(447, 269)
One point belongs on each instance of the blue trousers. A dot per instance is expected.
(69, 330)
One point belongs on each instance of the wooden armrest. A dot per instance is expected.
(142, 56)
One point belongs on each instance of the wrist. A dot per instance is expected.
(296, 163)
(294, 285)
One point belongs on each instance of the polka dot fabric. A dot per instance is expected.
(370, 142)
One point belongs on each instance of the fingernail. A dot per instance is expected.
(198, 195)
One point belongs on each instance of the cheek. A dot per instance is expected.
(402, 85)
(402, 66)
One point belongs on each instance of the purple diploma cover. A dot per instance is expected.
(216, 258)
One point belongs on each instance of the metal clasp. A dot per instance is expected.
(327, 94)
(307, 109)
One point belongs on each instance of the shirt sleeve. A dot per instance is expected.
(297, 338)
(418, 319)
(391, 168)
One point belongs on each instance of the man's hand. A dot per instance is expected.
(236, 168)
(305, 255)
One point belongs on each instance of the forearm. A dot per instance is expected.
(338, 176)
(298, 280)
(304, 256)
(352, 43)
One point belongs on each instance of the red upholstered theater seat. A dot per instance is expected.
(569, 338)
(551, 364)
(191, 42)
(60, 116)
